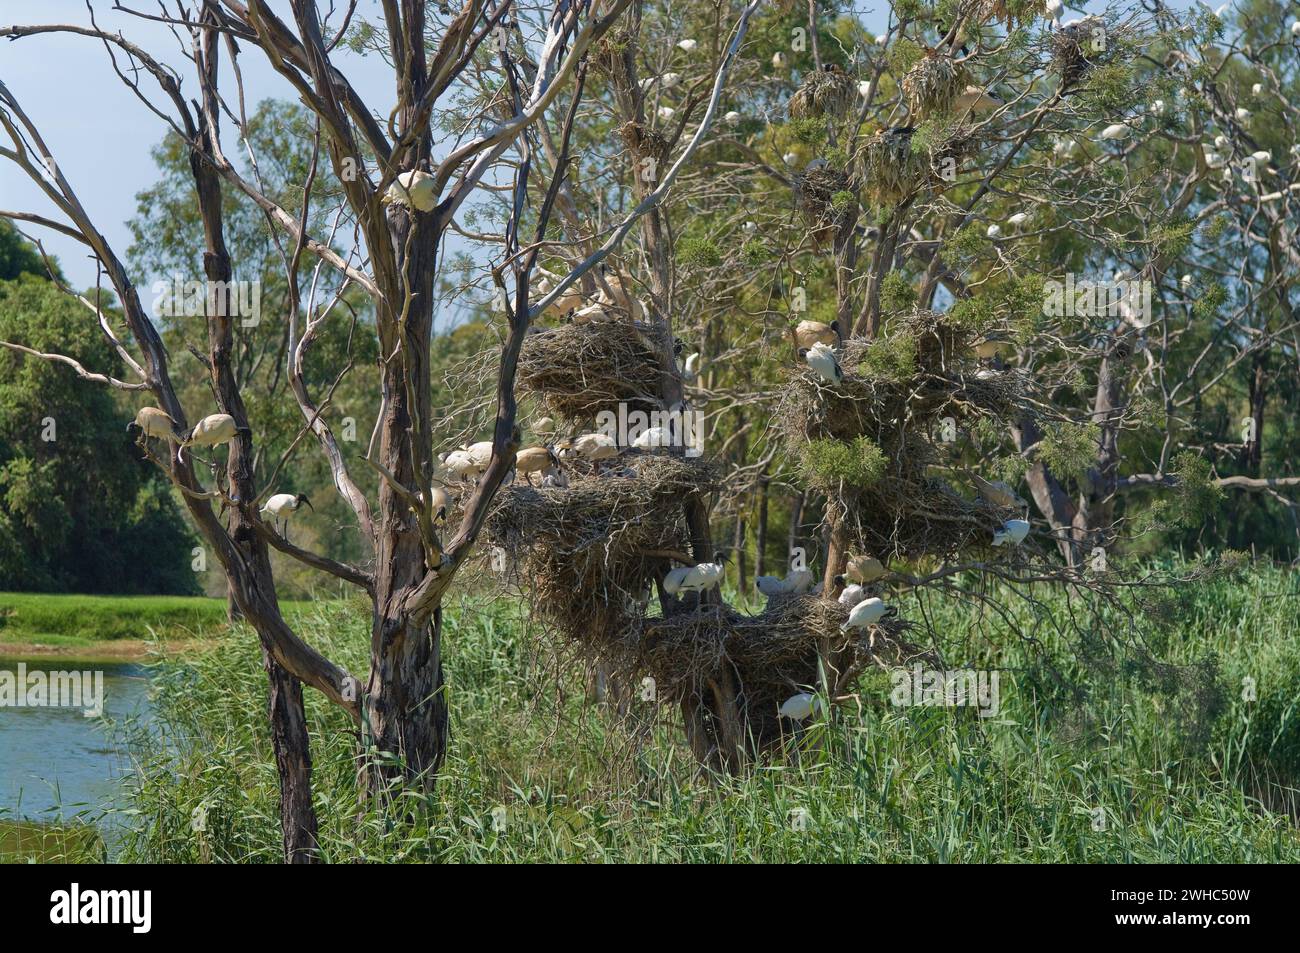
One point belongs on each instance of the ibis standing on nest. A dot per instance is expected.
(1012, 531)
(535, 460)
(282, 506)
(865, 613)
(864, 569)
(822, 360)
(700, 578)
(208, 432)
(853, 593)
(808, 333)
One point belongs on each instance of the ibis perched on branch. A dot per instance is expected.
(283, 505)
(211, 430)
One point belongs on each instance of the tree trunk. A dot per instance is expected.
(293, 761)
(760, 557)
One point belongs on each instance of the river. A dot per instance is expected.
(55, 761)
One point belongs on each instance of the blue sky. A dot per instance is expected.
(101, 134)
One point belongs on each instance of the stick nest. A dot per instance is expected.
(769, 656)
(827, 200)
(1072, 49)
(643, 142)
(827, 92)
(899, 404)
(581, 369)
(933, 84)
(590, 550)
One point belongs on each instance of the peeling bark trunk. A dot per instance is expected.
(284, 706)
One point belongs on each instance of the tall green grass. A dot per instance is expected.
(1125, 766)
(72, 620)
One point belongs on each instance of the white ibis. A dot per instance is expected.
(1116, 130)
(283, 505)
(998, 492)
(808, 333)
(822, 360)
(865, 613)
(800, 707)
(153, 422)
(687, 45)
(652, 438)
(211, 430)
(864, 569)
(535, 460)
(853, 593)
(699, 578)
(1012, 531)
(994, 231)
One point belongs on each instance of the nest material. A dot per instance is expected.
(933, 84)
(770, 656)
(642, 142)
(1072, 49)
(589, 551)
(891, 170)
(908, 512)
(816, 192)
(827, 92)
(581, 369)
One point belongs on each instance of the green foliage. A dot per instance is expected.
(828, 462)
(1069, 449)
(755, 253)
(1197, 494)
(903, 55)
(810, 130)
(698, 252)
(1208, 303)
(891, 357)
(17, 256)
(1173, 237)
(1110, 89)
(896, 294)
(78, 509)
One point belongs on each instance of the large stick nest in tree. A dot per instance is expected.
(826, 198)
(769, 656)
(894, 167)
(829, 92)
(589, 551)
(927, 374)
(642, 142)
(1077, 48)
(933, 83)
(581, 369)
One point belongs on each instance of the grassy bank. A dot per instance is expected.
(106, 626)
(1123, 767)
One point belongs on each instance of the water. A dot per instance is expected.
(56, 762)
